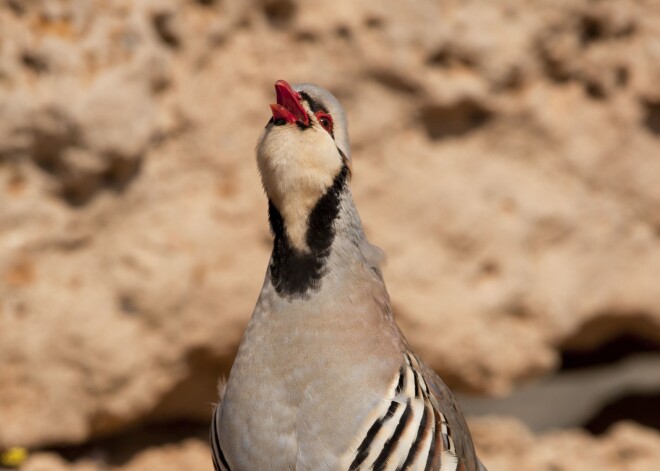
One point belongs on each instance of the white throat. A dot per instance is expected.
(297, 167)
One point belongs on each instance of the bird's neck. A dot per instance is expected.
(333, 232)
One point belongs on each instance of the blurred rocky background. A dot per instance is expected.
(506, 157)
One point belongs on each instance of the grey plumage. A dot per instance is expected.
(324, 379)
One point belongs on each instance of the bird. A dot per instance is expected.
(324, 379)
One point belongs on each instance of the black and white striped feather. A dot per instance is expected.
(410, 433)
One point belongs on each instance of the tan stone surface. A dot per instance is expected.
(503, 445)
(505, 157)
(191, 455)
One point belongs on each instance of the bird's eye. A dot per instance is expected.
(325, 120)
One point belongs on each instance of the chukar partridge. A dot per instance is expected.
(324, 380)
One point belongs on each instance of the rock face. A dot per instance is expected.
(505, 445)
(192, 454)
(502, 443)
(505, 157)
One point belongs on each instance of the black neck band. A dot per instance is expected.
(292, 272)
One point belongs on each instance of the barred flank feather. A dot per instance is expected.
(419, 438)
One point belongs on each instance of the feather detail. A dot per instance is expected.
(222, 387)
(413, 435)
(373, 256)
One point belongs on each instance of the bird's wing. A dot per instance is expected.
(455, 436)
(219, 461)
(418, 427)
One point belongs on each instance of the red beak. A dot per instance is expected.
(288, 107)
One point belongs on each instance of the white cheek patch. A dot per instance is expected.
(297, 167)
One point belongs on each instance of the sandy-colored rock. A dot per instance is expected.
(505, 157)
(191, 454)
(503, 445)
(46, 462)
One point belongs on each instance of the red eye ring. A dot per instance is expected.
(325, 120)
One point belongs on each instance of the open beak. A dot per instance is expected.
(288, 107)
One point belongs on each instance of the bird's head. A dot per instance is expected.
(301, 153)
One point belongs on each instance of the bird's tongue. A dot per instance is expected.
(288, 105)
